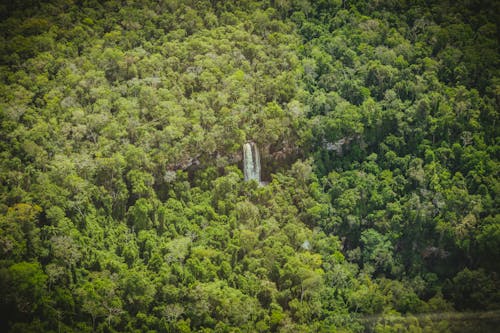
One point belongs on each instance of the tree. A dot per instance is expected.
(20, 231)
(100, 297)
(23, 290)
(377, 250)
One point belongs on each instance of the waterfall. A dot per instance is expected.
(251, 162)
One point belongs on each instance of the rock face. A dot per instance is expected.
(251, 162)
(338, 146)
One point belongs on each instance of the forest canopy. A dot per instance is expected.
(123, 206)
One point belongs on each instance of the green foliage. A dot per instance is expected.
(122, 203)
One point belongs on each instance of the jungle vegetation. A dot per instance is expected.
(122, 201)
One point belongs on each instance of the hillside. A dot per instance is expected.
(123, 203)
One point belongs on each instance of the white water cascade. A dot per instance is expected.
(251, 162)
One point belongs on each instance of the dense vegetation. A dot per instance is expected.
(123, 205)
